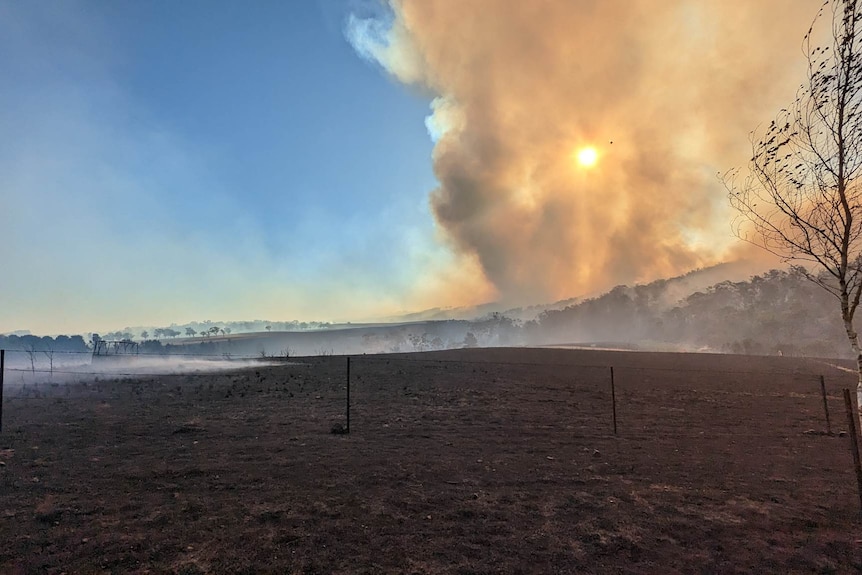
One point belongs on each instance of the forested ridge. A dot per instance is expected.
(777, 312)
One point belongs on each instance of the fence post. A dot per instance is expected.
(347, 428)
(825, 405)
(614, 399)
(854, 442)
(2, 370)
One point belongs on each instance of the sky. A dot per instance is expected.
(165, 162)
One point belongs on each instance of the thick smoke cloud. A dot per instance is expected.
(667, 92)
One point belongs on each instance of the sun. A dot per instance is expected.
(587, 157)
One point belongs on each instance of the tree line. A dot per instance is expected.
(63, 343)
(777, 312)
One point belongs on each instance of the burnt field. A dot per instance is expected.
(469, 461)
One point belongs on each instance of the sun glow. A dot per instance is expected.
(587, 157)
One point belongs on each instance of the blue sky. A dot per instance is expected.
(176, 161)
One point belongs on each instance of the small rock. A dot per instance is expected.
(842, 434)
(597, 453)
(338, 429)
(810, 432)
(549, 458)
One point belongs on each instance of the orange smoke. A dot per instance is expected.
(666, 92)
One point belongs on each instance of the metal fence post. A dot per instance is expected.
(614, 399)
(2, 369)
(347, 428)
(854, 442)
(825, 405)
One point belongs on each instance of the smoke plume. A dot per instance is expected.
(666, 92)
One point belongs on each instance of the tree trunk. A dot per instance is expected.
(854, 343)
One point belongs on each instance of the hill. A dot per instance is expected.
(777, 312)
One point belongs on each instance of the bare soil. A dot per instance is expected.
(468, 462)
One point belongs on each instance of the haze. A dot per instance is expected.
(170, 162)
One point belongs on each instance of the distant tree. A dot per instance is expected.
(802, 199)
(66, 343)
(76, 343)
(31, 353)
(152, 347)
(145, 335)
(496, 328)
(268, 328)
(49, 353)
(119, 335)
(190, 332)
(419, 342)
(470, 340)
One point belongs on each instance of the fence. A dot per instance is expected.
(643, 401)
(627, 396)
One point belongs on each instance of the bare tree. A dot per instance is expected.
(802, 196)
(31, 352)
(50, 355)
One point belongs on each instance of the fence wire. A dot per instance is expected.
(391, 392)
